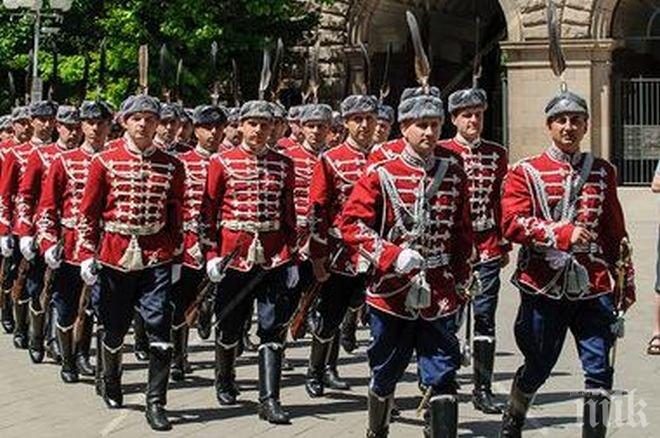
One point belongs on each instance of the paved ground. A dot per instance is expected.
(33, 402)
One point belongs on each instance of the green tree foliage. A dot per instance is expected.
(188, 28)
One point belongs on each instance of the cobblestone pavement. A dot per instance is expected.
(33, 402)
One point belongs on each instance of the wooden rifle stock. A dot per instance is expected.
(306, 302)
(83, 303)
(21, 278)
(4, 267)
(47, 291)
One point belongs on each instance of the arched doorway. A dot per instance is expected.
(636, 77)
(449, 27)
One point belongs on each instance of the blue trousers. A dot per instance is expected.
(184, 293)
(34, 282)
(336, 296)
(67, 287)
(232, 309)
(120, 293)
(485, 304)
(393, 342)
(540, 330)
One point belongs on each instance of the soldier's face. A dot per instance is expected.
(568, 130)
(361, 128)
(382, 132)
(22, 130)
(469, 122)
(141, 128)
(316, 133)
(43, 127)
(185, 132)
(256, 131)
(209, 135)
(296, 129)
(96, 131)
(6, 134)
(422, 134)
(69, 134)
(279, 126)
(336, 135)
(233, 134)
(167, 129)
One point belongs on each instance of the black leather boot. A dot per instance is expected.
(178, 372)
(8, 323)
(68, 373)
(270, 372)
(83, 346)
(483, 359)
(226, 390)
(159, 374)
(53, 350)
(315, 373)
(442, 417)
(112, 393)
(37, 330)
(98, 369)
(348, 329)
(331, 377)
(595, 413)
(515, 412)
(21, 328)
(379, 415)
(141, 346)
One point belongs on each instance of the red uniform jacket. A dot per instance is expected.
(5, 147)
(13, 168)
(386, 151)
(390, 195)
(532, 190)
(286, 143)
(130, 214)
(196, 163)
(304, 161)
(59, 206)
(30, 187)
(334, 177)
(248, 203)
(486, 165)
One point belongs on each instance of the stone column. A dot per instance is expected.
(532, 84)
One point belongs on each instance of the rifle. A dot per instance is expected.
(622, 265)
(21, 278)
(4, 268)
(298, 320)
(83, 303)
(206, 290)
(49, 277)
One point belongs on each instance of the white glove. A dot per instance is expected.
(89, 271)
(176, 272)
(557, 259)
(292, 276)
(53, 257)
(213, 270)
(407, 261)
(26, 244)
(7, 245)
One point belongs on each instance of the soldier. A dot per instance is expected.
(410, 218)
(168, 127)
(129, 240)
(29, 192)
(485, 164)
(6, 130)
(21, 125)
(249, 195)
(562, 207)
(232, 135)
(295, 130)
(56, 230)
(385, 121)
(337, 133)
(13, 216)
(208, 121)
(184, 135)
(279, 125)
(341, 268)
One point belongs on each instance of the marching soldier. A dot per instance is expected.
(129, 241)
(59, 206)
(249, 195)
(279, 125)
(384, 125)
(485, 164)
(168, 127)
(337, 133)
(232, 135)
(341, 268)
(409, 216)
(14, 166)
(208, 122)
(6, 130)
(21, 129)
(295, 130)
(562, 207)
(185, 133)
(25, 228)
